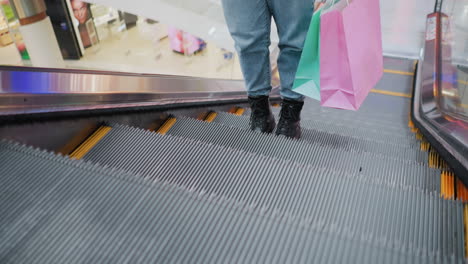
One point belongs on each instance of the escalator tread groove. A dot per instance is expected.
(128, 213)
(275, 147)
(330, 127)
(109, 145)
(90, 142)
(358, 187)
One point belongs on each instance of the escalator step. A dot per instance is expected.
(397, 129)
(166, 126)
(116, 143)
(90, 142)
(410, 151)
(375, 117)
(350, 204)
(299, 151)
(393, 127)
(312, 107)
(76, 212)
(349, 130)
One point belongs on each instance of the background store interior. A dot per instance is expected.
(100, 37)
(123, 42)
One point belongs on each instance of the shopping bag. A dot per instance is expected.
(307, 80)
(351, 58)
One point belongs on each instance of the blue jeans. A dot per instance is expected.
(249, 22)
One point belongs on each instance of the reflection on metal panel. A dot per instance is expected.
(29, 81)
(454, 58)
(25, 90)
(438, 97)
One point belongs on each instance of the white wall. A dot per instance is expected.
(403, 25)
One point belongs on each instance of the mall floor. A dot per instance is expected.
(9, 55)
(134, 51)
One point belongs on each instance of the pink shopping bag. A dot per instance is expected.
(351, 59)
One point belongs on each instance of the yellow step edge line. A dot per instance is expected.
(432, 160)
(79, 138)
(239, 111)
(210, 117)
(233, 110)
(463, 82)
(465, 221)
(443, 185)
(462, 192)
(447, 185)
(398, 72)
(166, 126)
(425, 146)
(153, 126)
(451, 178)
(90, 142)
(391, 93)
(202, 116)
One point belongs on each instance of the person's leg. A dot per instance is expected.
(292, 20)
(249, 23)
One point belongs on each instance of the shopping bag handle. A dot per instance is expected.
(333, 3)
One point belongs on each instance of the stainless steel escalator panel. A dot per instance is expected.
(26, 90)
(89, 213)
(437, 92)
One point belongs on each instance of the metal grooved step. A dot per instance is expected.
(396, 129)
(321, 196)
(411, 151)
(148, 153)
(398, 122)
(311, 111)
(313, 107)
(352, 129)
(67, 211)
(299, 151)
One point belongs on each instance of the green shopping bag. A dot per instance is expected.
(307, 80)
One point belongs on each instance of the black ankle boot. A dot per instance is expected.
(289, 123)
(261, 118)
